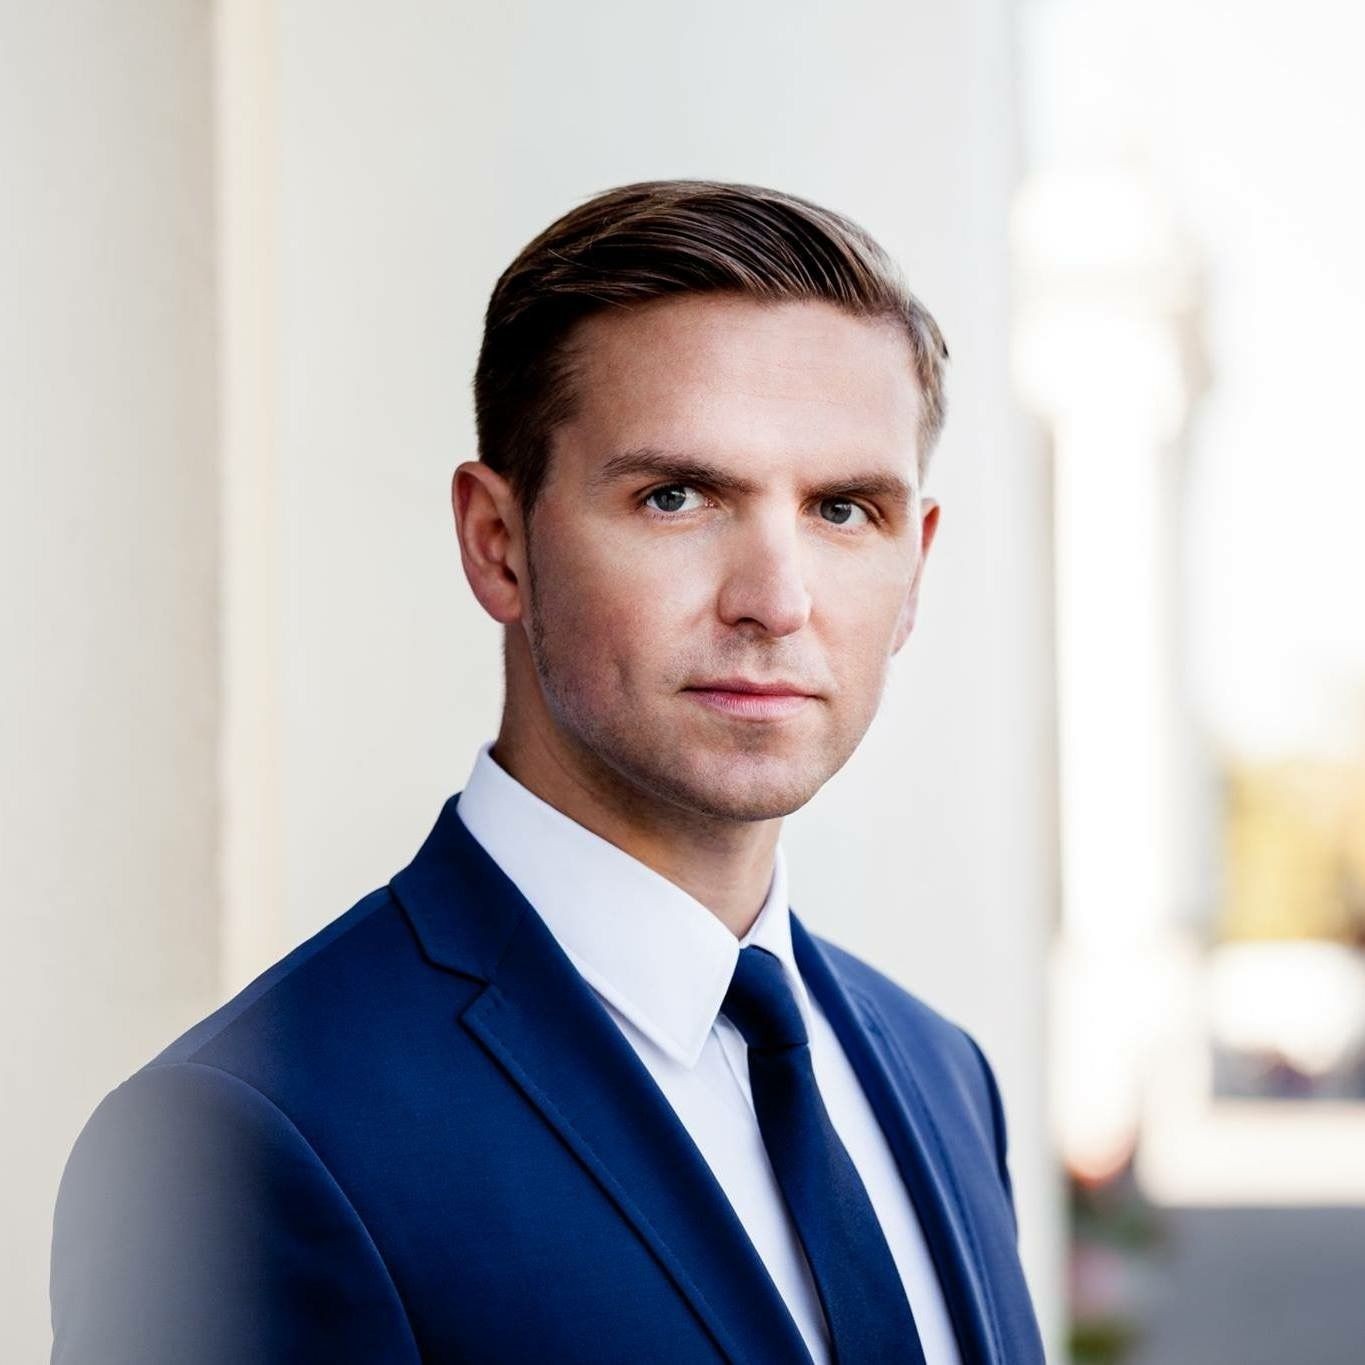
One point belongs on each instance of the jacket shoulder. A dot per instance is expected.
(291, 982)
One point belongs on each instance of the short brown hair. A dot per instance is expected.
(658, 238)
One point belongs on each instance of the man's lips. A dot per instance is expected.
(751, 701)
(778, 687)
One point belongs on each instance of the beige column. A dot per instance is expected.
(110, 690)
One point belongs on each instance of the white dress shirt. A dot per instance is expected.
(661, 964)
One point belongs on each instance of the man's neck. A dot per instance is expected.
(725, 865)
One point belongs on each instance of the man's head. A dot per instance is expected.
(714, 404)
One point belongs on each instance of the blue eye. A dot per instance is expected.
(845, 502)
(669, 491)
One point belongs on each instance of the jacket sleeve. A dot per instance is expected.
(195, 1223)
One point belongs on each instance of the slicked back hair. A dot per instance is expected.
(658, 239)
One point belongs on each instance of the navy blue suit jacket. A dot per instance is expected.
(420, 1136)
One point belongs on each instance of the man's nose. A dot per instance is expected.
(765, 575)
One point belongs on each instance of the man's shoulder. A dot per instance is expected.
(860, 977)
(332, 1026)
(925, 1034)
(331, 979)
(202, 1181)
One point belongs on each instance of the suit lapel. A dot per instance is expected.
(544, 1026)
(907, 1119)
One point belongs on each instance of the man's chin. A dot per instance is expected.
(745, 788)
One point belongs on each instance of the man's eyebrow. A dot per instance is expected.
(649, 461)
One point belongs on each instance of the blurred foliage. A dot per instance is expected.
(1116, 1235)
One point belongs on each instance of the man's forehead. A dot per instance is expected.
(725, 329)
(712, 374)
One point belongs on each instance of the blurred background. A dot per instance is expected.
(1111, 816)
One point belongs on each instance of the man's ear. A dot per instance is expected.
(492, 538)
(905, 623)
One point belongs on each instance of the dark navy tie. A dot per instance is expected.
(860, 1289)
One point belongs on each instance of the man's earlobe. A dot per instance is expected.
(488, 527)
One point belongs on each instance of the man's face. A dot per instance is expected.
(649, 580)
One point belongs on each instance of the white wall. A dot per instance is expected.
(108, 559)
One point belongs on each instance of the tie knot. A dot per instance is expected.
(761, 1005)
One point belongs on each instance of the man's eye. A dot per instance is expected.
(671, 497)
(848, 512)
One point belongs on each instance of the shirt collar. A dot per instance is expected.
(653, 951)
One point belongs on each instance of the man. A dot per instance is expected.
(577, 1086)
